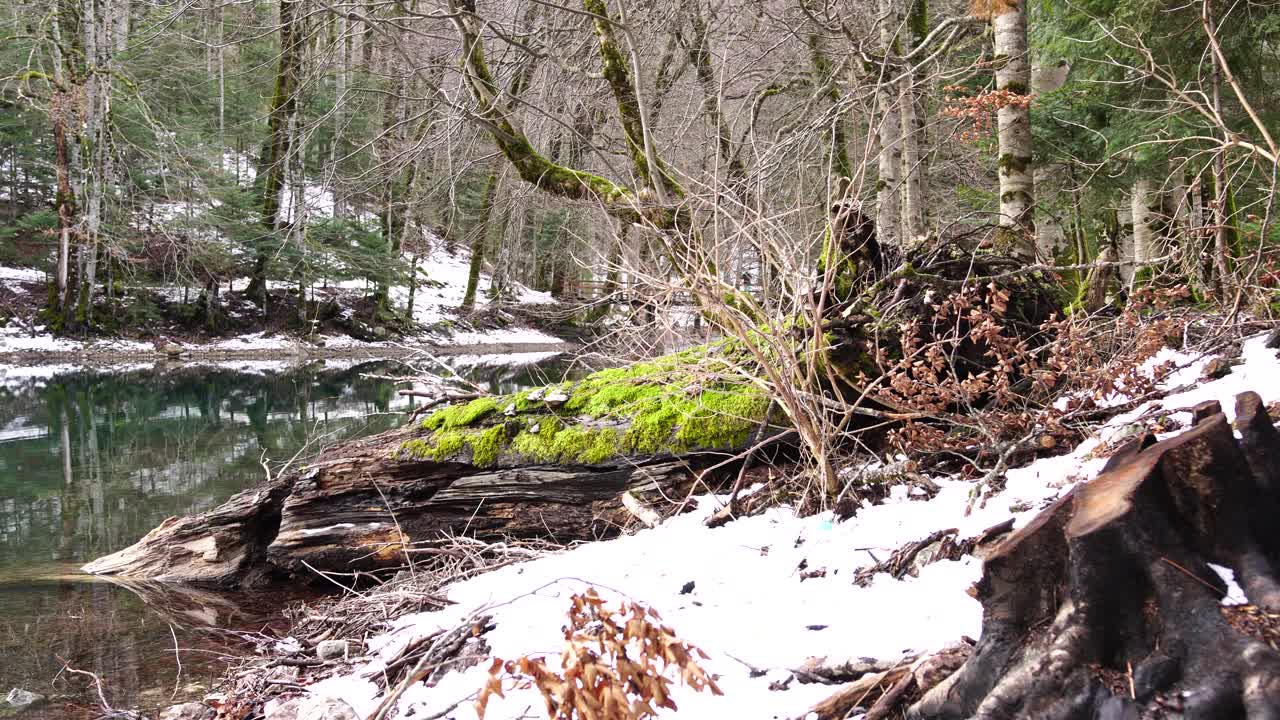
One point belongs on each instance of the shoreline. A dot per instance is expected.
(299, 353)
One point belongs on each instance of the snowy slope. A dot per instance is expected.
(749, 604)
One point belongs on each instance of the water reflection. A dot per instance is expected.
(92, 460)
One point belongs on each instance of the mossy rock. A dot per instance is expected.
(685, 402)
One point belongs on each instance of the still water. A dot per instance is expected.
(90, 460)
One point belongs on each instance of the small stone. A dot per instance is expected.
(1218, 368)
(19, 698)
(534, 428)
(173, 349)
(557, 398)
(536, 395)
(187, 711)
(310, 708)
(380, 332)
(331, 649)
(510, 411)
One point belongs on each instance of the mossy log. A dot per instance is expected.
(1105, 605)
(552, 463)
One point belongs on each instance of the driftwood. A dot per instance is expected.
(1105, 606)
(361, 506)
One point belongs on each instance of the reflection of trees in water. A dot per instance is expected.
(111, 455)
(95, 460)
(117, 453)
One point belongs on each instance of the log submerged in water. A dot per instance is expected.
(550, 464)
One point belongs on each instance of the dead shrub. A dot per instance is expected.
(614, 665)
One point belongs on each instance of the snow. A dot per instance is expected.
(749, 604)
(505, 336)
(443, 283)
(251, 341)
(13, 274)
(16, 339)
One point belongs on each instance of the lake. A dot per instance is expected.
(90, 460)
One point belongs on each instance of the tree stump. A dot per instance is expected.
(1105, 605)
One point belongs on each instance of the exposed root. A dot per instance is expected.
(1115, 578)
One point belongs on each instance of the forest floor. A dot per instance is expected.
(764, 596)
(146, 322)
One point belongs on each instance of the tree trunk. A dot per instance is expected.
(480, 235)
(1144, 231)
(889, 229)
(1013, 75)
(273, 162)
(1051, 237)
(915, 186)
(60, 301)
(1105, 605)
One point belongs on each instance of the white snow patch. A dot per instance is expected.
(17, 274)
(1234, 596)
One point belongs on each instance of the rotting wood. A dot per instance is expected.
(1116, 575)
(359, 507)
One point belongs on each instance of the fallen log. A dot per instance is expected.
(555, 463)
(1105, 605)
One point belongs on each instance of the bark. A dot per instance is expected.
(623, 78)
(1013, 75)
(359, 508)
(1051, 237)
(1105, 606)
(65, 202)
(888, 98)
(915, 186)
(824, 76)
(1144, 230)
(273, 162)
(480, 236)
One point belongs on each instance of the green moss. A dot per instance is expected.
(486, 445)
(440, 447)
(1009, 162)
(651, 429)
(721, 419)
(461, 415)
(575, 444)
(692, 399)
(586, 446)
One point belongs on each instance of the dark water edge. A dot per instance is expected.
(92, 460)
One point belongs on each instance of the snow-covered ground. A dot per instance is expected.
(443, 280)
(25, 377)
(749, 604)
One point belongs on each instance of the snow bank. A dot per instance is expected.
(749, 604)
(443, 279)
